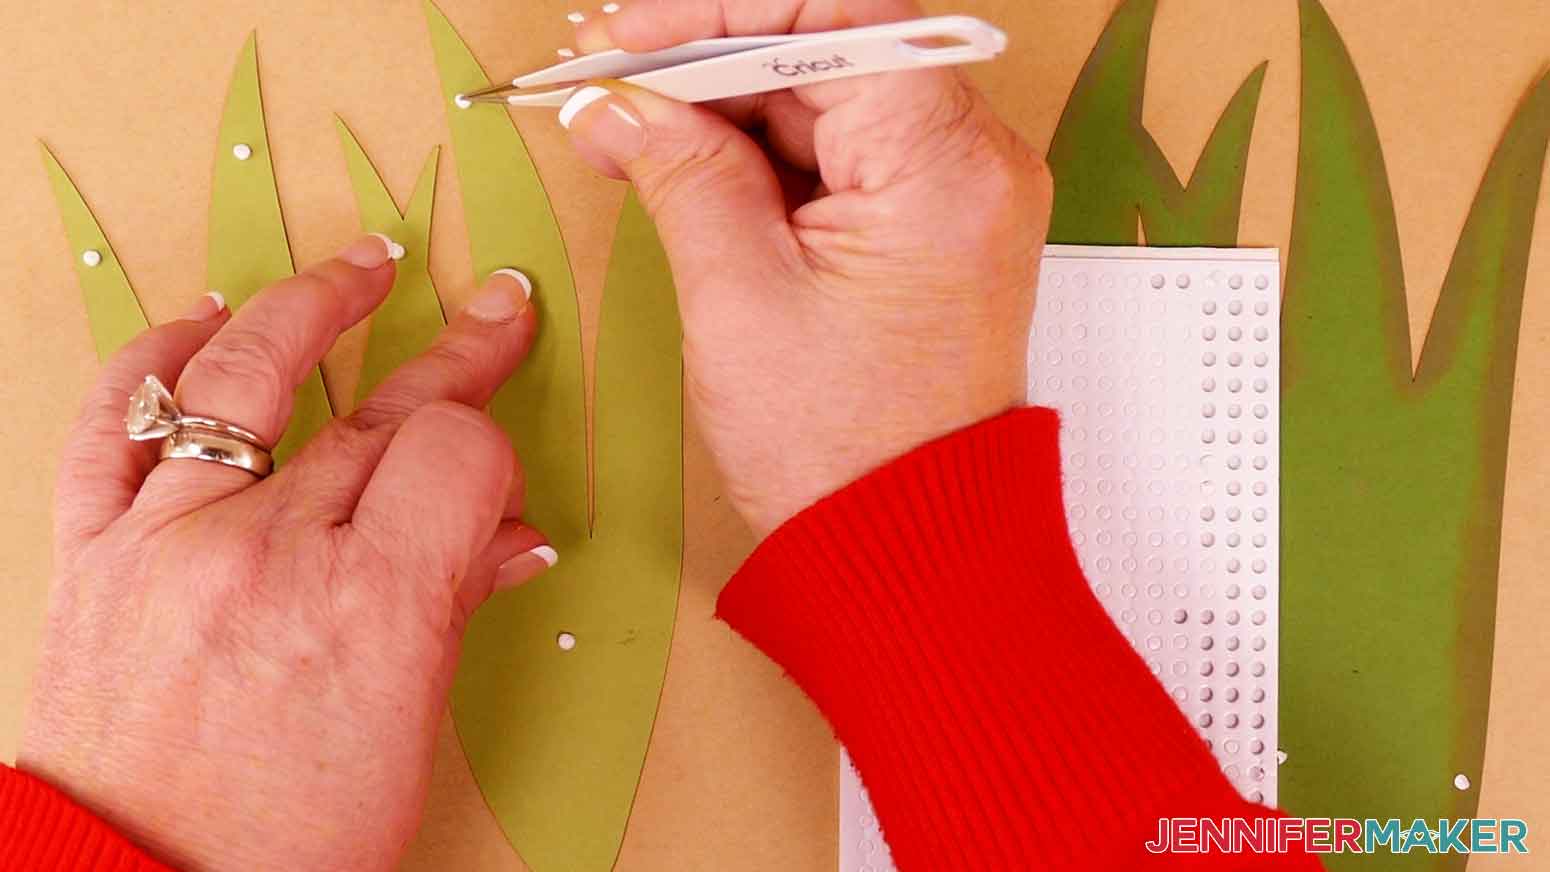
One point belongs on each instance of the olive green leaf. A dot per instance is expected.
(1392, 483)
(557, 738)
(1109, 170)
(112, 309)
(411, 316)
(248, 248)
(1392, 494)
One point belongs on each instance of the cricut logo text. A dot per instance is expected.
(803, 68)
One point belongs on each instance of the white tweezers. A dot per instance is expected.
(714, 69)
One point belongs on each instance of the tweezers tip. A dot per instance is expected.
(484, 92)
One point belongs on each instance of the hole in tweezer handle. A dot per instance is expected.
(935, 43)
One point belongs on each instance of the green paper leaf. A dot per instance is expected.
(1392, 507)
(248, 248)
(411, 317)
(557, 739)
(112, 310)
(1109, 170)
(510, 224)
(1393, 485)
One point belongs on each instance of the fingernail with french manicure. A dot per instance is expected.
(504, 296)
(372, 251)
(395, 251)
(605, 120)
(206, 307)
(525, 566)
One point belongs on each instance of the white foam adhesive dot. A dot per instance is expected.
(91, 257)
(242, 151)
(1461, 781)
(566, 641)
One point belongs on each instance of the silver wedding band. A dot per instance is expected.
(197, 443)
(153, 415)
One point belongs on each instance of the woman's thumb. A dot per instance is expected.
(707, 185)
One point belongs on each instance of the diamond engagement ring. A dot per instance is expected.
(153, 415)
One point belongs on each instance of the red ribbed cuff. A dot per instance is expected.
(42, 830)
(936, 614)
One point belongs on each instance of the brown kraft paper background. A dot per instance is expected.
(741, 770)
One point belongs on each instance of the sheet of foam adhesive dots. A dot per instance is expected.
(1165, 367)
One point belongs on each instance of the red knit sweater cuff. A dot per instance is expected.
(936, 614)
(41, 830)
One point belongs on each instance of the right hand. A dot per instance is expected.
(857, 281)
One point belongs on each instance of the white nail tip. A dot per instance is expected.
(522, 279)
(546, 554)
(566, 52)
(219, 298)
(395, 251)
(579, 101)
(610, 8)
(576, 18)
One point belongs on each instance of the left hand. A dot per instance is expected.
(245, 674)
